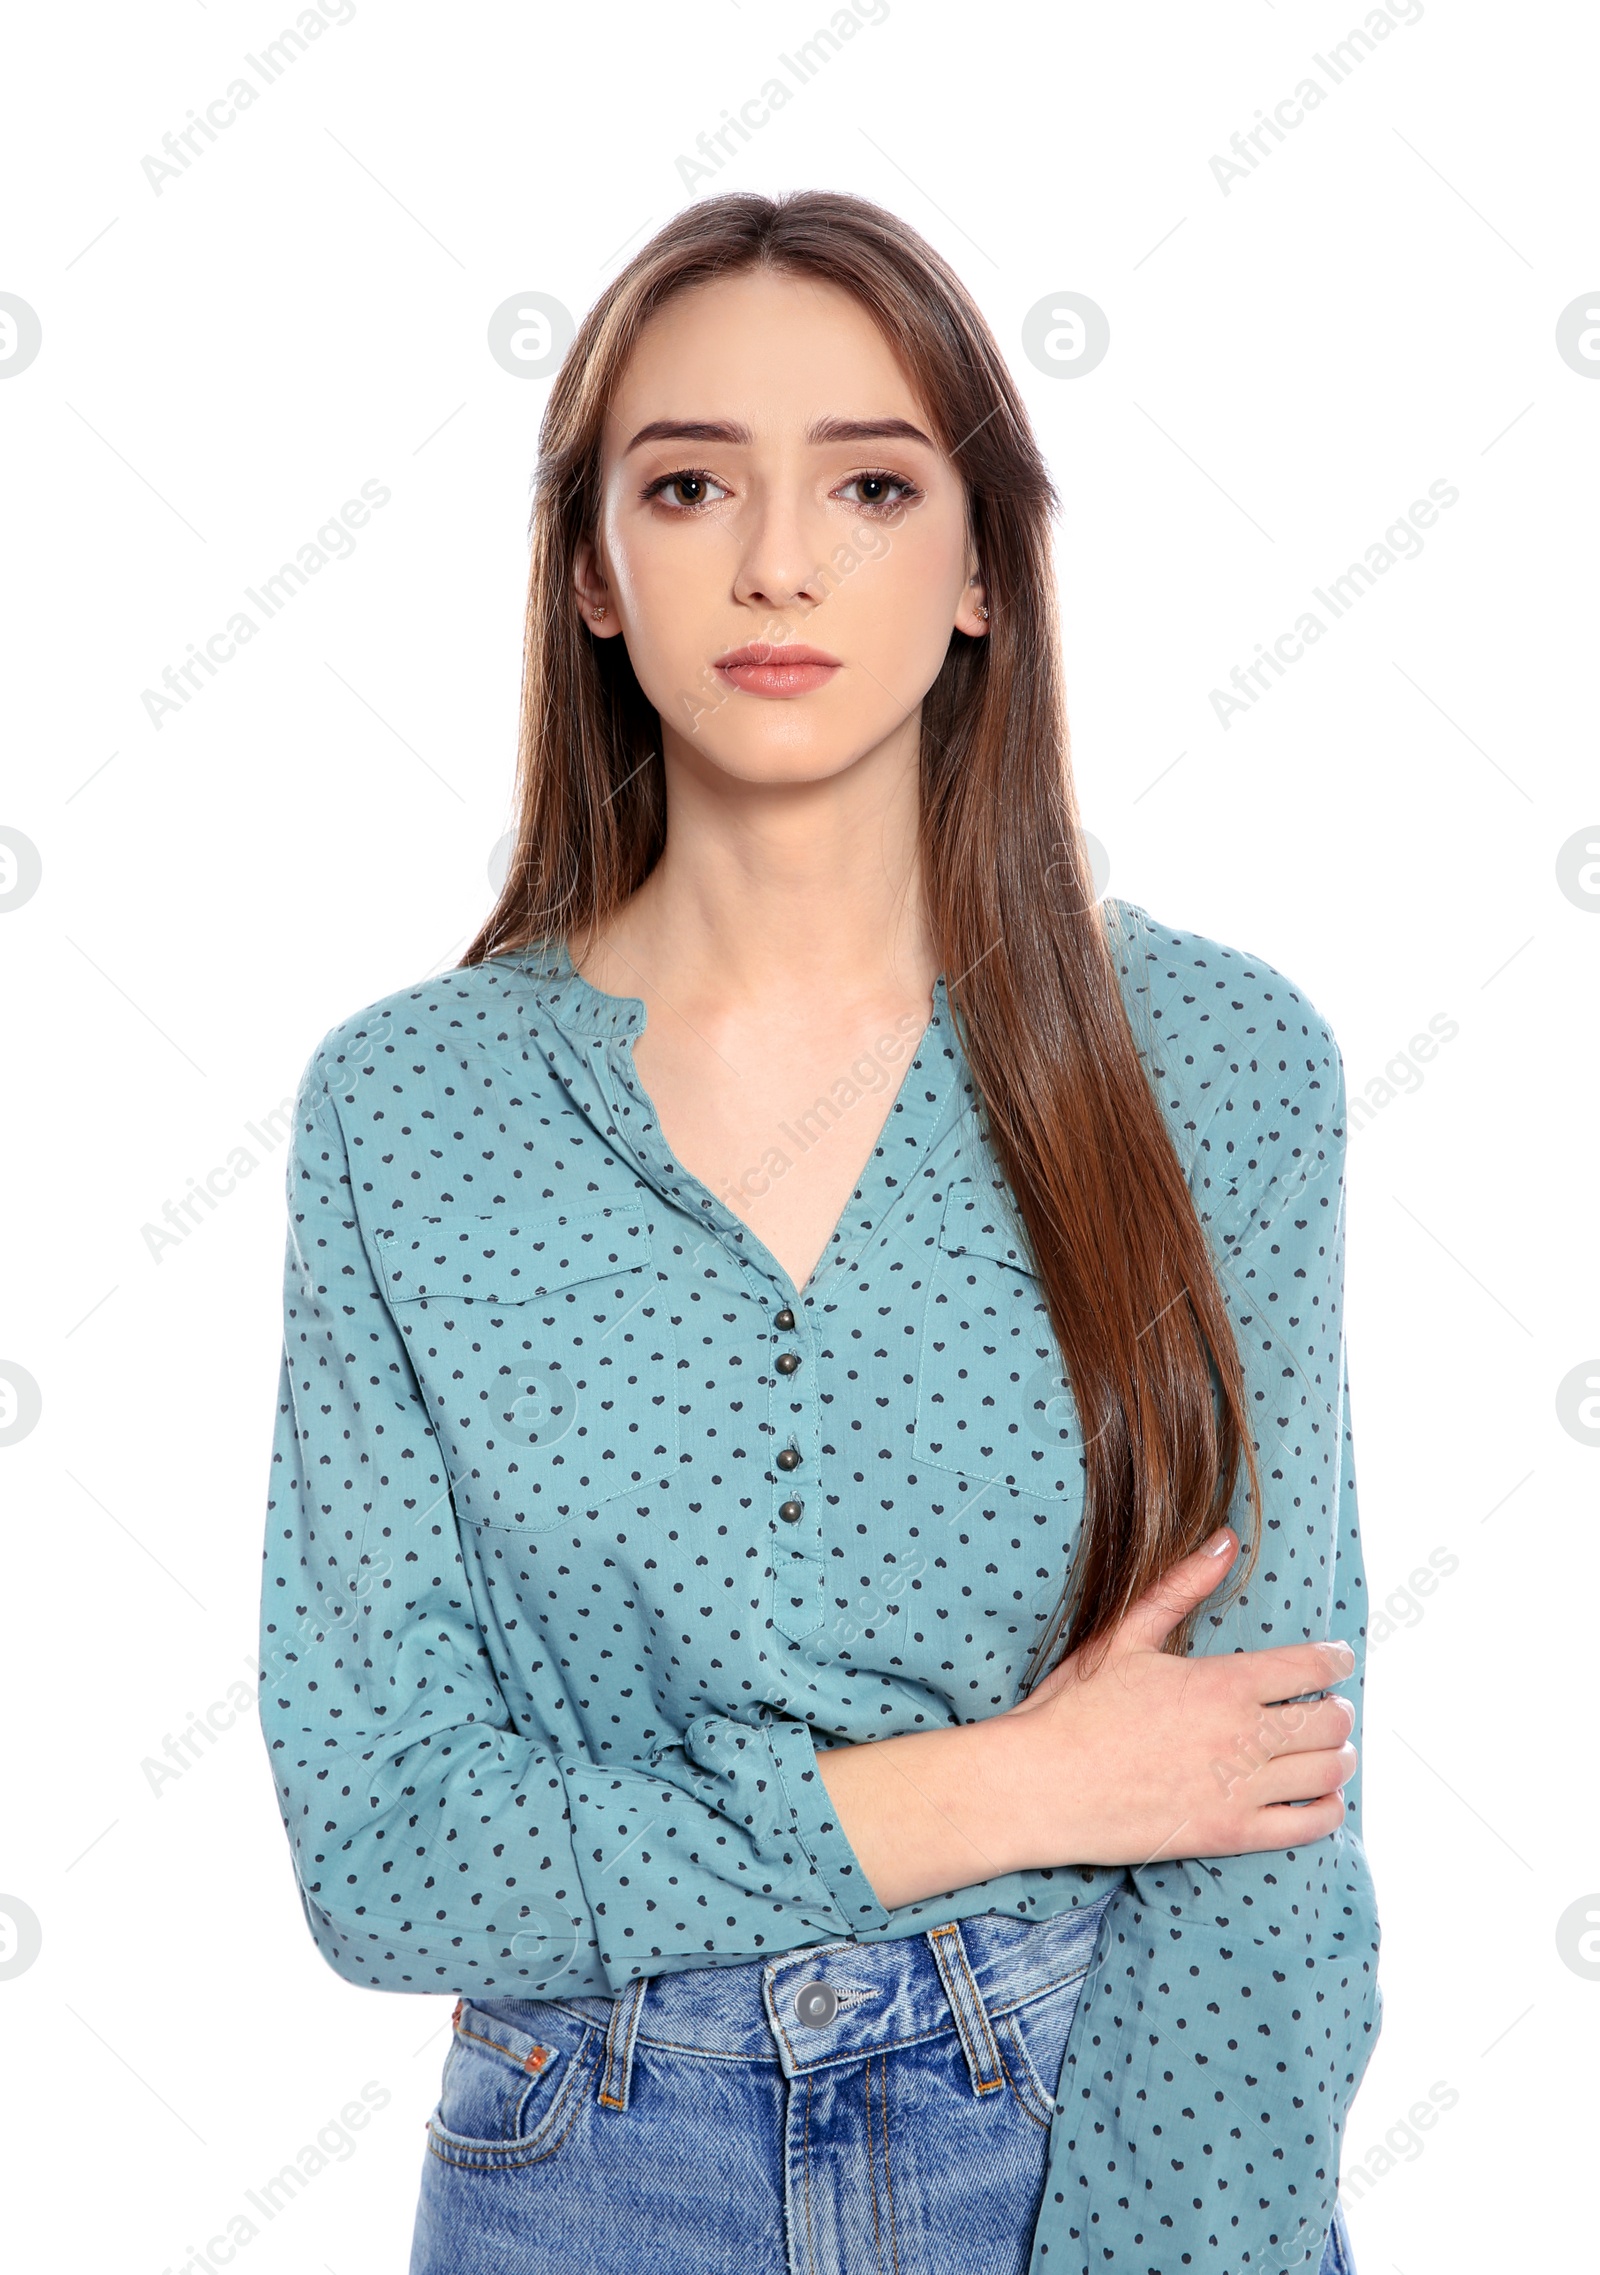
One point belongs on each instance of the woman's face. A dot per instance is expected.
(770, 480)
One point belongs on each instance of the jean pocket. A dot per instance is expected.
(1336, 2257)
(1033, 2045)
(507, 2098)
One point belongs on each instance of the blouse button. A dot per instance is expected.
(784, 1320)
(816, 2004)
(791, 1511)
(789, 1458)
(787, 1361)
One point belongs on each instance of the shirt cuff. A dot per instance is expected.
(819, 1831)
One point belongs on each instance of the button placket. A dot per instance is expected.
(797, 1551)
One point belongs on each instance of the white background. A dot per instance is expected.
(1292, 362)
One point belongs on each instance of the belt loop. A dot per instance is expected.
(966, 2004)
(621, 2031)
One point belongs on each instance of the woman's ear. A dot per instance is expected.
(972, 616)
(594, 597)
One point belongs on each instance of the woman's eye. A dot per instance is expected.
(689, 489)
(694, 489)
(876, 489)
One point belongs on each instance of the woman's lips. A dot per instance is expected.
(777, 671)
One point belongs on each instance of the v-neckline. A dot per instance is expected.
(618, 1021)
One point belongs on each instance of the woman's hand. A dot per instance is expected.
(1153, 1756)
(1149, 1756)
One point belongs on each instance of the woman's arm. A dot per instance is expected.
(437, 1844)
(1148, 1757)
(1233, 2005)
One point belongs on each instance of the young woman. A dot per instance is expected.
(813, 1547)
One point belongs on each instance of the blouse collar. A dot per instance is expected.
(577, 1007)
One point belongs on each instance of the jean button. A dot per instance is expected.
(816, 2004)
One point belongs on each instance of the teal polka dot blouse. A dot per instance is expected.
(584, 1519)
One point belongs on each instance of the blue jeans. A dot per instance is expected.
(840, 2110)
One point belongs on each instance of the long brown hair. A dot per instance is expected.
(1073, 1125)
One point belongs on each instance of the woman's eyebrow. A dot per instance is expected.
(820, 430)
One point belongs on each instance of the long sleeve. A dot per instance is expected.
(438, 1845)
(1233, 2003)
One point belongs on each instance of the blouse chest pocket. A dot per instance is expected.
(993, 1403)
(547, 1356)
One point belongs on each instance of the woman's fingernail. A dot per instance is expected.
(1218, 1543)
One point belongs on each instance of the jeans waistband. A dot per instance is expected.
(860, 1998)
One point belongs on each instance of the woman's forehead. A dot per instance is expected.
(765, 351)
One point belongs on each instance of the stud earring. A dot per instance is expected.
(983, 612)
(600, 611)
